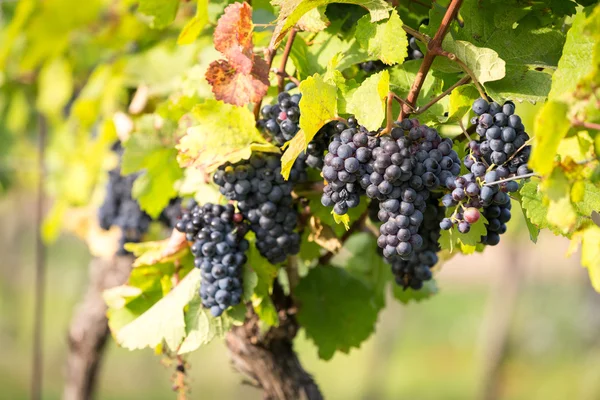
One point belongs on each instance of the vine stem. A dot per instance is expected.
(284, 59)
(467, 70)
(389, 116)
(269, 55)
(434, 48)
(514, 178)
(587, 125)
(415, 33)
(445, 93)
(286, 75)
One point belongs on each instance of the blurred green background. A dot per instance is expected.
(438, 349)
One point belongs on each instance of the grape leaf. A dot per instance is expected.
(162, 251)
(161, 12)
(385, 41)
(521, 84)
(233, 36)
(538, 47)
(319, 106)
(341, 219)
(483, 62)
(534, 231)
(154, 188)
(164, 321)
(465, 242)
(557, 189)
(590, 254)
(368, 102)
(194, 26)
(292, 10)
(314, 20)
(576, 60)
(236, 87)
(201, 327)
(461, 100)
(360, 257)
(407, 295)
(589, 201)
(235, 140)
(335, 309)
(551, 126)
(533, 205)
(265, 275)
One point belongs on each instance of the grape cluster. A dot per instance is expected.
(281, 120)
(265, 200)
(502, 136)
(404, 170)
(345, 164)
(219, 247)
(499, 154)
(416, 269)
(121, 209)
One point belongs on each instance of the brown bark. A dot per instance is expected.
(89, 331)
(268, 359)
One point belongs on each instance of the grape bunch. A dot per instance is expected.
(503, 137)
(500, 153)
(345, 164)
(264, 198)
(219, 247)
(280, 120)
(404, 170)
(121, 209)
(416, 269)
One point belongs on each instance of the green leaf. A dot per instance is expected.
(461, 100)
(589, 201)
(314, 20)
(533, 206)
(538, 47)
(192, 29)
(521, 84)
(55, 86)
(336, 310)
(407, 295)
(319, 106)
(341, 219)
(483, 62)
(224, 133)
(201, 327)
(551, 126)
(385, 41)
(292, 10)
(466, 243)
(534, 231)
(590, 254)
(154, 188)
(368, 102)
(561, 212)
(161, 12)
(360, 257)
(576, 60)
(265, 273)
(164, 321)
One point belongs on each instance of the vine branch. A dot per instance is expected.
(434, 48)
(587, 125)
(356, 226)
(446, 92)
(513, 178)
(284, 58)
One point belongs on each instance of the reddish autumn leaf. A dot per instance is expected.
(233, 36)
(235, 87)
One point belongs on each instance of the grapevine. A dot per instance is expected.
(285, 165)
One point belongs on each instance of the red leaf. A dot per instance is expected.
(233, 36)
(236, 87)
